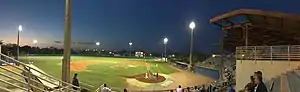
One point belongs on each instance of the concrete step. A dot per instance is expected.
(294, 81)
(277, 84)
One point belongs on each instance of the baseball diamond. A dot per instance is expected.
(120, 73)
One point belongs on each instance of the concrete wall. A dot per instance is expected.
(270, 69)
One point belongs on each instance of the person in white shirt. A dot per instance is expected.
(179, 89)
(105, 88)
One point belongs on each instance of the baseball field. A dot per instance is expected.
(98, 70)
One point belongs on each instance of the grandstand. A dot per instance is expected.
(265, 41)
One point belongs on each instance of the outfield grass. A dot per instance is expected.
(99, 73)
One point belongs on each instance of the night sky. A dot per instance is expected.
(116, 22)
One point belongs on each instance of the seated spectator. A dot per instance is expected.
(125, 90)
(179, 89)
(250, 86)
(195, 89)
(188, 89)
(75, 82)
(105, 88)
(202, 88)
(231, 89)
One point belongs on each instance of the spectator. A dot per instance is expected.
(260, 86)
(105, 88)
(202, 88)
(195, 89)
(75, 82)
(250, 86)
(179, 89)
(258, 73)
(125, 90)
(188, 89)
(231, 89)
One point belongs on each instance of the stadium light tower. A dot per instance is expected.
(35, 45)
(130, 46)
(165, 42)
(192, 26)
(98, 44)
(20, 28)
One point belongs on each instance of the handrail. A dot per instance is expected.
(23, 76)
(35, 70)
(28, 78)
(13, 85)
(25, 72)
(288, 52)
(39, 71)
(5, 89)
(22, 81)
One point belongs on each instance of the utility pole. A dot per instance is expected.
(67, 44)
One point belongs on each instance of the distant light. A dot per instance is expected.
(192, 25)
(110, 52)
(20, 28)
(173, 55)
(166, 40)
(150, 54)
(102, 50)
(97, 43)
(243, 55)
(130, 43)
(213, 55)
(35, 41)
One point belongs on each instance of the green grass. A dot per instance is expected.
(99, 73)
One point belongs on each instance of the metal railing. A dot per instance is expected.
(283, 52)
(32, 81)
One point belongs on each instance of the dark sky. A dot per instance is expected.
(116, 22)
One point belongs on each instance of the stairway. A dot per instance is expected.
(16, 76)
(288, 82)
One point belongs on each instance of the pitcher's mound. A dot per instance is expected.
(142, 78)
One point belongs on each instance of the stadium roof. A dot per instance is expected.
(258, 27)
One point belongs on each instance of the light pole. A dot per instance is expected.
(67, 44)
(130, 45)
(35, 45)
(20, 28)
(98, 44)
(165, 42)
(192, 26)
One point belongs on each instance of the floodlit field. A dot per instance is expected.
(98, 70)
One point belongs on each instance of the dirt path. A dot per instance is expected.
(188, 79)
